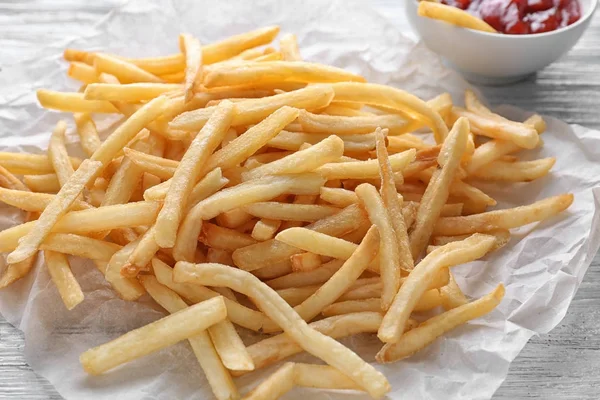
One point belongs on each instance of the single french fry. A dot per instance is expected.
(283, 315)
(364, 169)
(16, 271)
(438, 190)
(419, 337)
(393, 204)
(88, 134)
(278, 71)
(454, 16)
(389, 251)
(339, 125)
(75, 245)
(216, 373)
(396, 99)
(78, 55)
(73, 102)
(289, 212)
(140, 256)
(305, 262)
(428, 301)
(221, 238)
(82, 72)
(54, 211)
(252, 111)
(289, 47)
(273, 251)
(519, 171)
(306, 278)
(472, 248)
(123, 70)
(63, 278)
(29, 164)
(159, 166)
(57, 154)
(155, 336)
(129, 93)
(326, 151)
(503, 219)
(128, 288)
(33, 202)
(265, 229)
(188, 173)
(192, 49)
(237, 313)
(234, 45)
(317, 243)
(257, 190)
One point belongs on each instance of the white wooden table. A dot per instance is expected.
(564, 364)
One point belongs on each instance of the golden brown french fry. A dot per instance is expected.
(271, 252)
(283, 315)
(10, 182)
(88, 135)
(129, 93)
(278, 71)
(54, 211)
(399, 100)
(162, 65)
(192, 49)
(393, 204)
(141, 255)
(75, 245)
(234, 45)
(73, 102)
(389, 252)
(316, 242)
(257, 190)
(438, 190)
(128, 288)
(34, 164)
(265, 229)
(306, 278)
(63, 278)
(14, 272)
(454, 16)
(352, 125)
(165, 332)
(472, 248)
(289, 47)
(220, 257)
(82, 72)
(57, 154)
(188, 173)
(503, 219)
(237, 313)
(326, 151)
(305, 262)
(34, 202)
(216, 373)
(288, 212)
(123, 70)
(364, 169)
(419, 337)
(519, 171)
(428, 301)
(159, 166)
(252, 111)
(221, 238)
(78, 55)
(502, 237)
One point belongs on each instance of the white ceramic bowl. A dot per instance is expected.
(492, 58)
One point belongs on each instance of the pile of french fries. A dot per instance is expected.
(246, 188)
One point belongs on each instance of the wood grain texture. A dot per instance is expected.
(563, 365)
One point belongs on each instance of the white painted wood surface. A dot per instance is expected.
(564, 364)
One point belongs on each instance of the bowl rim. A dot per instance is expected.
(582, 20)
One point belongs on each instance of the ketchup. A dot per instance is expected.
(519, 17)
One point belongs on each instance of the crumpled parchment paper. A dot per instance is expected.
(541, 267)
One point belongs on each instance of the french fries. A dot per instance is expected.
(301, 187)
(282, 314)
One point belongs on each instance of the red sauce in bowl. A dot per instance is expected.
(518, 17)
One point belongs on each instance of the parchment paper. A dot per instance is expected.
(541, 267)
